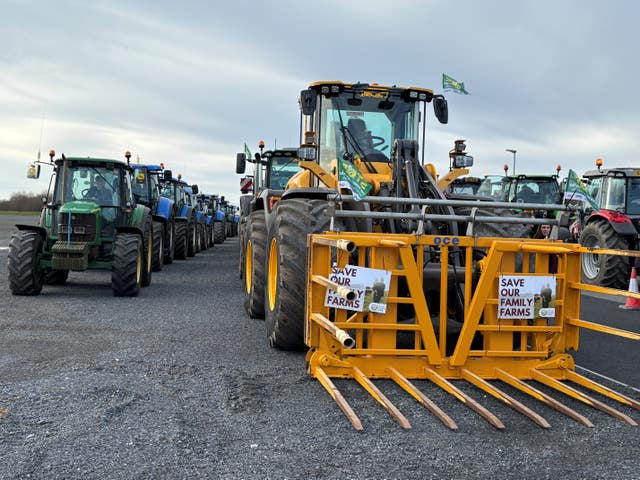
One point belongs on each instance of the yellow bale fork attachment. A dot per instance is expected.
(520, 321)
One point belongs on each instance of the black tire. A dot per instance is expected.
(56, 277)
(169, 242)
(286, 269)
(128, 265)
(242, 246)
(24, 276)
(218, 232)
(604, 270)
(501, 230)
(203, 237)
(192, 238)
(210, 242)
(255, 264)
(158, 246)
(182, 241)
(147, 251)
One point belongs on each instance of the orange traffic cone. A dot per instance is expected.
(632, 303)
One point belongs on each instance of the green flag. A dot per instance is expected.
(577, 190)
(247, 152)
(449, 84)
(350, 177)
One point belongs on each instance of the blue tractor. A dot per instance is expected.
(146, 189)
(185, 238)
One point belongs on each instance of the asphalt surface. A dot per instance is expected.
(179, 383)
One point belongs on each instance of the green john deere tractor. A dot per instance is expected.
(90, 222)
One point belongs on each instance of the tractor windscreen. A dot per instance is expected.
(281, 169)
(365, 123)
(82, 182)
(633, 196)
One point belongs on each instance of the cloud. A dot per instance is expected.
(189, 83)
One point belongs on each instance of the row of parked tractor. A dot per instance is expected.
(106, 214)
(609, 217)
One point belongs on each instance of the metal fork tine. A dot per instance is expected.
(379, 396)
(330, 387)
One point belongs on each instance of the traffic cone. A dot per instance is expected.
(632, 303)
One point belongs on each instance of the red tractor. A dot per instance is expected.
(615, 225)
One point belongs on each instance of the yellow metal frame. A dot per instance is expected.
(365, 346)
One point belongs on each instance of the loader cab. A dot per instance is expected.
(350, 121)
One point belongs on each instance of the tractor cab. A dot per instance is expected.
(360, 123)
(616, 189)
(86, 186)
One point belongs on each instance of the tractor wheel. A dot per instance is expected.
(147, 251)
(286, 267)
(501, 230)
(24, 276)
(198, 246)
(158, 246)
(169, 242)
(56, 277)
(182, 241)
(192, 238)
(604, 270)
(254, 264)
(128, 265)
(210, 241)
(218, 232)
(242, 245)
(203, 236)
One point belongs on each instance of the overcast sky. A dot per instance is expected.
(187, 83)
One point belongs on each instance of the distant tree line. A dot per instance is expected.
(23, 202)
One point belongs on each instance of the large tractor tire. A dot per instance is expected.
(254, 267)
(218, 232)
(169, 242)
(604, 270)
(128, 265)
(203, 237)
(158, 246)
(243, 248)
(182, 241)
(192, 239)
(501, 230)
(147, 251)
(287, 269)
(56, 277)
(24, 276)
(210, 241)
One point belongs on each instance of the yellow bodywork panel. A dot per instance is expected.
(413, 338)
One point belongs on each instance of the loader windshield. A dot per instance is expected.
(364, 123)
(281, 169)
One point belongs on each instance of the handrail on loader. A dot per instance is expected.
(521, 317)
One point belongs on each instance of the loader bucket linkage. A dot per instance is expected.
(402, 346)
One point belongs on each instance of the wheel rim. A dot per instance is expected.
(248, 267)
(139, 266)
(149, 250)
(272, 281)
(591, 261)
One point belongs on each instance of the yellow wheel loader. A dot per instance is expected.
(373, 270)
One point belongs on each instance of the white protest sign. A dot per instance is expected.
(526, 297)
(370, 285)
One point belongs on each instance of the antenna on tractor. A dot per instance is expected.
(41, 131)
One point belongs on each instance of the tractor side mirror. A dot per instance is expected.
(441, 109)
(308, 101)
(194, 189)
(168, 175)
(241, 162)
(33, 171)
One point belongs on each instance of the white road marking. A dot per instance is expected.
(608, 378)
